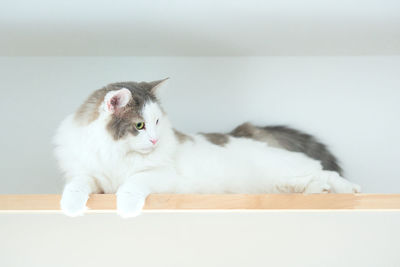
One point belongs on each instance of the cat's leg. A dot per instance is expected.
(75, 195)
(330, 182)
(131, 195)
(317, 186)
(318, 182)
(131, 199)
(307, 184)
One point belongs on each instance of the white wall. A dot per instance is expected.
(199, 28)
(351, 103)
(309, 239)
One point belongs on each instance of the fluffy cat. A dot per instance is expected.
(121, 141)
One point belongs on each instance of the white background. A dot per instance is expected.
(350, 103)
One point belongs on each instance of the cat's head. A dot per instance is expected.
(132, 113)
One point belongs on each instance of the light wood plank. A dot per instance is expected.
(107, 202)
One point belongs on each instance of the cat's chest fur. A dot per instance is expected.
(114, 163)
(112, 169)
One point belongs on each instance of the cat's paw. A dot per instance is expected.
(129, 205)
(341, 185)
(73, 203)
(345, 187)
(356, 188)
(317, 187)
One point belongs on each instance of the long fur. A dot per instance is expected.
(95, 160)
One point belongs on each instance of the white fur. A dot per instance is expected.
(133, 167)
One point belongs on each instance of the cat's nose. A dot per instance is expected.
(154, 141)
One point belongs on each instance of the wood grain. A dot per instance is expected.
(107, 202)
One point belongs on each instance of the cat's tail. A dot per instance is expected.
(292, 140)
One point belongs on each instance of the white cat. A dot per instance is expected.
(121, 141)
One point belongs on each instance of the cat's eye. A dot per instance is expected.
(140, 125)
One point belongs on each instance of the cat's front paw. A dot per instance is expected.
(129, 205)
(73, 203)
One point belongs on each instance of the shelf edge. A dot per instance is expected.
(107, 202)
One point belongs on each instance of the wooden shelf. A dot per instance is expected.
(107, 202)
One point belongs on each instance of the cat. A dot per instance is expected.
(121, 141)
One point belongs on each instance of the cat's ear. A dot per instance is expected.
(115, 101)
(155, 85)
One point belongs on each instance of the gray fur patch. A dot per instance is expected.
(122, 122)
(216, 138)
(250, 131)
(89, 110)
(292, 140)
(182, 138)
